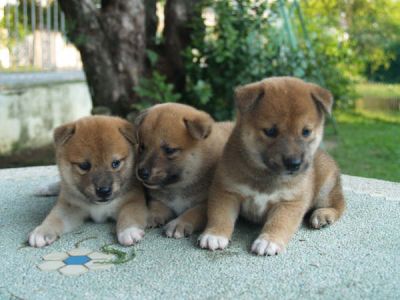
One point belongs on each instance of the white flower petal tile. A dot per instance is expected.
(73, 270)
(51, 265)
(79, 251)
(76, 261)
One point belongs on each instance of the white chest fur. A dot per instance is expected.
(178, 204)
(100, 213)
(255, 204)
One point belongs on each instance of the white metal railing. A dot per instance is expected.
(32, 35)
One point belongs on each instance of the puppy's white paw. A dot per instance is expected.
(262, 246)
(48, 190)
(130, 236)
(213, 242)
(41, 236)
(178, 229)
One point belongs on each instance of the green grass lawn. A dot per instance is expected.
(378, 90)
(367, 144)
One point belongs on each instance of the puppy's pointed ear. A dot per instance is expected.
(322, 98)
(199, 126)
(63, 133)
(140, 118)
(127, 129)
(247, 96)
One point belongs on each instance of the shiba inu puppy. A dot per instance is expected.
(272, 171)
(95, 158)
(178, 150)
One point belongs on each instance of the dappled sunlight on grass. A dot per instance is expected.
(391, 117)
(366, 116)
(378, 90)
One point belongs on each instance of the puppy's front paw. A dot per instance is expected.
(322, 217)
(178, 229)
(130, 236)
(263, 246)
(213, 242)
(41, 236)
(156, 220)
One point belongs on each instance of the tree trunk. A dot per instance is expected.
(177, 36)
(112, 43)
(151, 23)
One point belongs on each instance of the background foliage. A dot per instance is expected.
(235, 43)
(342, 45)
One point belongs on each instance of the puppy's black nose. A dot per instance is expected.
(292, 163)
(144, 174)
(104, 191)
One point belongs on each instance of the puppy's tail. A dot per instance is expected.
(48, 190)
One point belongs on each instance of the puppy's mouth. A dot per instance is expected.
(148, 184)
(302, 169)
(169, 180)
(101, 201)
(151, 186)
(271, 166)
(95, 199)
(290, 173)
(279, 170)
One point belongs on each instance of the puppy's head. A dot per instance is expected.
(281, 122)
(171, 138)
(95, 157)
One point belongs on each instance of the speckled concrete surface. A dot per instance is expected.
(357, 258)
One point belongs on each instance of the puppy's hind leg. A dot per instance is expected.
(329, 206)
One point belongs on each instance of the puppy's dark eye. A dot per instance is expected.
(271, 132)
(169, 150)
(306, 132)
(115, 164)
(85, 166)
(141, 147)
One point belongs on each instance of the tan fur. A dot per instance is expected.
(100, 141)
(252, 178)
(178, 183)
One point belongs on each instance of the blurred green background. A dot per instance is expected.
(351, 47)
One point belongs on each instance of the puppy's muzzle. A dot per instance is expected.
(143, 174)
(104, 193)
(156, 178)
(150, 177)
(292, 164)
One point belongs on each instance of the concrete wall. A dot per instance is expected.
(30, 112)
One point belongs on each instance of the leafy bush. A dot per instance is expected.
(232, 51)
(247, 43)
(155, 89)
(386, 72)
(238, 42)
